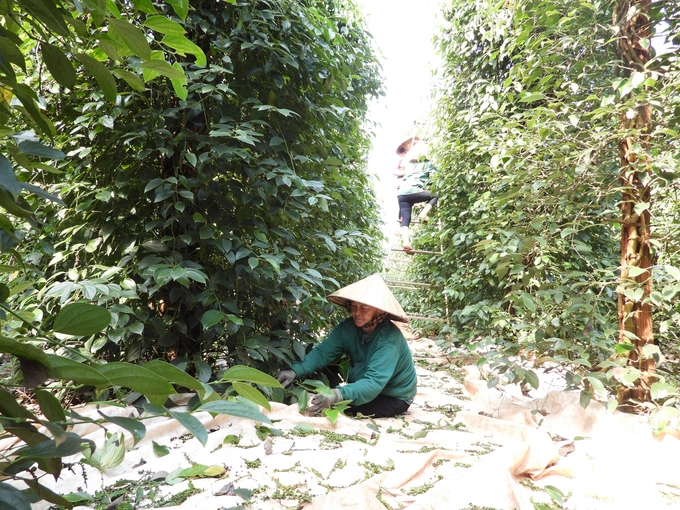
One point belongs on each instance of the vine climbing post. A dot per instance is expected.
(632, 26)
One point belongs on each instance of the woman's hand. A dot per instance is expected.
(285, 377)
(320, 402)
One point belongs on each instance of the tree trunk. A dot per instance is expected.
(632, 19)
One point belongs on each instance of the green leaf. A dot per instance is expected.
(136, 378)
(132, 79)
(634, 271)
(9, 407)
(145, 6)
(135, 427)
(192, 424)
(80, 373)
(181, 7)
(180, 84)
(203, 371)
(183, 46)
(556, 494)
(101, 74)
(50, 450)
(133, 37)
(159, 449)
(531, 377)
(8, 203)
(40, 192)
(12, 499)
(40, 150)
(17, 348)
(48, 495)
(236, 320)
(59, 66)
(234, 409)
(249, 374)
(211, 317)
(81, 319)
(624, 347)
(531, 97)
(108, 456)
(26, 96)
(174, 375)
(48, 13)
(661, 390)
(164, 25)
(162, 67)
(252, 394)
(50, 405)
(332, 415)
(673, 271)
(597, 385)
(8, 180)
(585, 398)
(11, 53)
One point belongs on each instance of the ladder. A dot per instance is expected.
(394, 268)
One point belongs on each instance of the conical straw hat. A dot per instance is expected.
(406, 145)
(371, 291)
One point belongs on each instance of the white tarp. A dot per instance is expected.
(460, 445)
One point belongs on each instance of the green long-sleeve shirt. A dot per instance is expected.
(380, 362)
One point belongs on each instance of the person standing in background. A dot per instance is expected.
(414, 171)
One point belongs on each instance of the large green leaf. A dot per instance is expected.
(12, 498)
(252, 394)
(173, 374)
(183, 46)
(101, 74)
(69, 370)
(8, 180)
(47, 12)
(8, 203)
(248, 374)
(162, 67)
(50, 450)
(59, 66)
(50, 406)
(136, 378)
(211, 317)
(40, 150)
(132, 79)
(135, 427)
(17, 348)
(181, 7)
(192, 424)
(234, 409)
(48, 495)
(81, 319)
(28, 100)
(10, 408)
(164, 25)
(11, 53)
(133, 37)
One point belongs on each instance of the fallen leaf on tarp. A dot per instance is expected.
(200, 470)
(227, 490)
(566, 449)
(268, 447)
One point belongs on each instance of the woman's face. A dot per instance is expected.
(362, 313)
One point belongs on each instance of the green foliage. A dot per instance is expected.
(216, 223)
(526, 141)
(201, 216)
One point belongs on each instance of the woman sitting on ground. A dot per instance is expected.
(382, 377)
